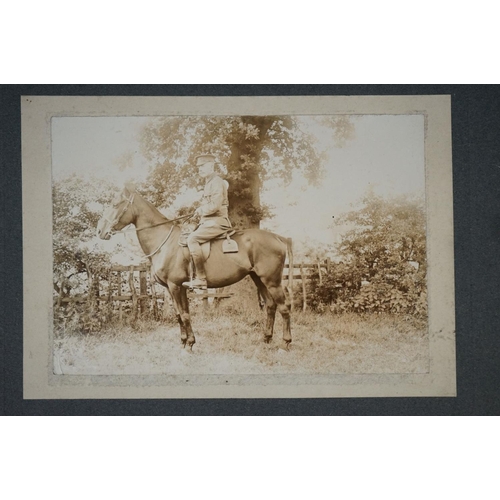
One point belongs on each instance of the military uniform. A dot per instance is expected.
(214, 218)
(213, 211)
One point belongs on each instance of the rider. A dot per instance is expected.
(214, 217)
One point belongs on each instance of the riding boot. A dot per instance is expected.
(201, 278)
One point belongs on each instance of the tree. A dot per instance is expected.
(388, 235)
(250, 149)
(77, 207)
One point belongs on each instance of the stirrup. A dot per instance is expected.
(196, 283)
(229, 245)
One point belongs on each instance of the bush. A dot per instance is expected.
(81, 317)
(384, 261)
(342, 290)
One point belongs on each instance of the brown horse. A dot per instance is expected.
(261, 255)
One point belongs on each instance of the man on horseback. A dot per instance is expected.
(214, 217)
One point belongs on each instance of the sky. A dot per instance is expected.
(386, 155)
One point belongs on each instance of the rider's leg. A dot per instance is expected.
(199, 263)
(208, 230)
(194, 244)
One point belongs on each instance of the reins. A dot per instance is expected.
(165, 222)
(131, 230)
(130, 201)
(162, 243)
(169, 233)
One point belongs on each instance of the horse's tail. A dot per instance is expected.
(289, 287)
(289, 249)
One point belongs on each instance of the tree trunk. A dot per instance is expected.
(244, 209)
(245, 171)
(244, 192)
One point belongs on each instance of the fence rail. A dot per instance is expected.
(144, 296)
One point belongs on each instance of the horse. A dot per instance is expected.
(261, 255)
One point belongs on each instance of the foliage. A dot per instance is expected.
(383, 266)
(81, 317)
(77, 207)
(249, 149)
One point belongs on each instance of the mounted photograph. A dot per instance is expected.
(238, 247)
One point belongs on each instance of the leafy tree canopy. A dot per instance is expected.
(249, 149)
(77, 207)
(383, 267)
(388, 235)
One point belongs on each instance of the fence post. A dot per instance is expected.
(319, 273)
(304, 291)
(132, 291)
(290, 273)
(110, 286)
(109, 304)
(61, 292)
(166, 305)
(153, 293)
(91, 295)
(217, 300)
(143, 290)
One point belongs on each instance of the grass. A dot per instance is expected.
(229, 341)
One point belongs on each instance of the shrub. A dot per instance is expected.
(384, 261)
(341, 290)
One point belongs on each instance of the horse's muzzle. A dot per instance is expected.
(103, 235)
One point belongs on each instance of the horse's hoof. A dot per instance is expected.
(267, 340)
(185, 353)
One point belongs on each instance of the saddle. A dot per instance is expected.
(228, 245)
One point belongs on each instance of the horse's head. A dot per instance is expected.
(118, 215)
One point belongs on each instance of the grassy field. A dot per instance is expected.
(229, 341)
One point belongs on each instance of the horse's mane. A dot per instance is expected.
(153, 208)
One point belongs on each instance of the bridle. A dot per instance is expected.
(122, 213)
(115, 221)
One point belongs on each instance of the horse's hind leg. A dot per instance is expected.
(270, 306)
(283, 304)
(181, 304)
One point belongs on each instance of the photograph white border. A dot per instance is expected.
(41, 383)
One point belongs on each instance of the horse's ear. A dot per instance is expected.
(130, 187)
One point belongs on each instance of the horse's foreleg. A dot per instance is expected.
(186, 318)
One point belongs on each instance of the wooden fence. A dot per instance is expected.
(302, 272)
(127, 286)
(134, 288)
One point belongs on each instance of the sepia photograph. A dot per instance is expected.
(223, 248)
